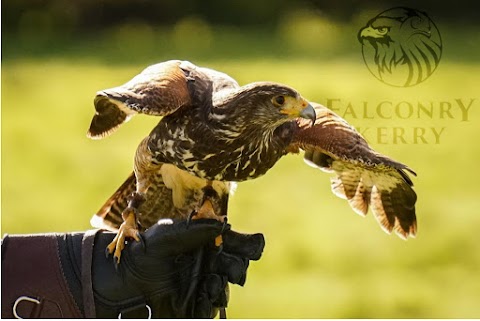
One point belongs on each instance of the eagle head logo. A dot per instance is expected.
(401, 46)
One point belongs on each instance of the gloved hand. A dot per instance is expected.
(178, 272)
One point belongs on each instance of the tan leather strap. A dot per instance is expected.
(87, 286)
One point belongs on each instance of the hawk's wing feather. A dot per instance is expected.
(364, 177)
(158, 90)
(110, 214)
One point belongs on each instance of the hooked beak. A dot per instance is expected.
(309, 113)
(295, 107)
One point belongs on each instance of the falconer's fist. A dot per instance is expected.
(179, 272)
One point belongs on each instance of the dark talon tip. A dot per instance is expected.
(190, 217)
(115, 263)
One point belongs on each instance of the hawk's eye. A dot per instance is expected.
(382, 30)
(278, 101)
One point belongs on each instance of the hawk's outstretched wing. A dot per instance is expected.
(364, 177)
(158, 90)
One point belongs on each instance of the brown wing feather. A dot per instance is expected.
(110, 214)
(364, 177)
(158, 90)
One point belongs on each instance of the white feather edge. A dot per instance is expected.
(98, 222)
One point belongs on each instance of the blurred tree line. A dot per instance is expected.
(112, 28)
(90, 15)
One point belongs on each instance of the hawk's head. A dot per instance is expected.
(264, 104)
(401, 46)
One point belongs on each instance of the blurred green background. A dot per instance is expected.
(321, 259)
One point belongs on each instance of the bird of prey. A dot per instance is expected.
(215, 133)
(401, 46)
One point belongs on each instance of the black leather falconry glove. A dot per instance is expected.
(178, 273)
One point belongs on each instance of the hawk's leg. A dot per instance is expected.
(206, 210)
(128, 228)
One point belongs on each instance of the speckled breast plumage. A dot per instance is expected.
(217, 155)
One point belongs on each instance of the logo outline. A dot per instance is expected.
(401, 46)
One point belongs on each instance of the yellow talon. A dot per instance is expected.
(127, 229)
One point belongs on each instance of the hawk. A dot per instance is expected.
(215, 133)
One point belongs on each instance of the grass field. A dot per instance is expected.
(321, 260)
